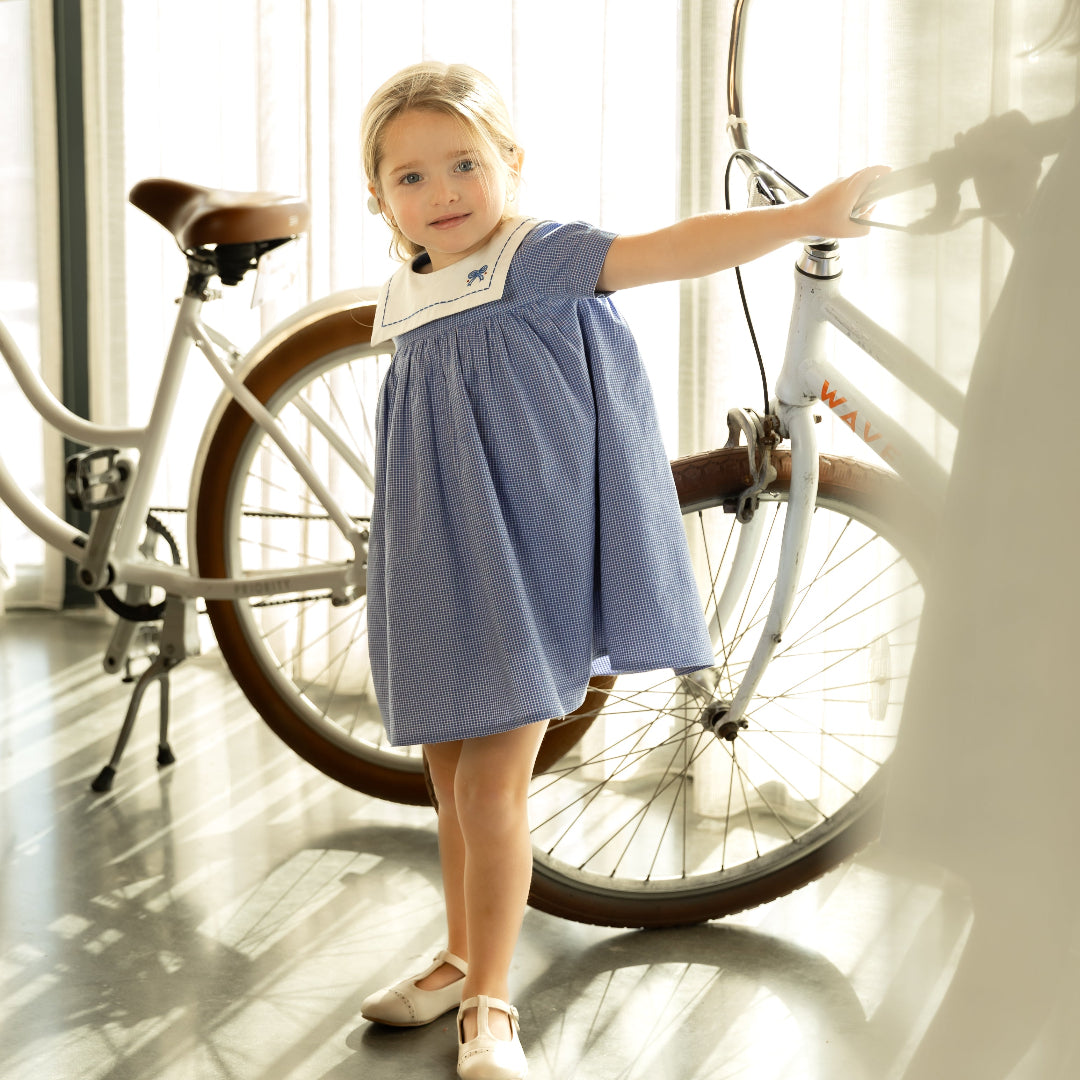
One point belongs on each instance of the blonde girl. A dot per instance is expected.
(525, 533)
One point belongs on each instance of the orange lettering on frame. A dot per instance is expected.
(867, 437)
(830, 398)
(849, 419)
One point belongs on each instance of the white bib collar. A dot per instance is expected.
(410, 299)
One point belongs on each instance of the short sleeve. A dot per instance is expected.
(563, 260)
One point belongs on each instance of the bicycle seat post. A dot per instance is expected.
(201, 270)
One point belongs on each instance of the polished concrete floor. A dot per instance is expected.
(224, 917)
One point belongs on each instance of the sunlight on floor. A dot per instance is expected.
(224, 917)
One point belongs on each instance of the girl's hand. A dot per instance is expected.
(828, 211)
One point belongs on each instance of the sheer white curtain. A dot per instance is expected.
(29, 289)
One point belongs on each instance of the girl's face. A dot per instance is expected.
(445, 193)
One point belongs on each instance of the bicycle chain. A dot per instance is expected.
(291, 515)
(153, 612)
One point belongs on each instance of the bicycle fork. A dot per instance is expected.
(794, 420)
(727, 718)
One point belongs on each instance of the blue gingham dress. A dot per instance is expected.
(525, 532)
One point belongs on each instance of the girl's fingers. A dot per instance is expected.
(842, 196)
(859, 183)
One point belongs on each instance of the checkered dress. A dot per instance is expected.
(525, 532)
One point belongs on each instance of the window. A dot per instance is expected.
(28, 290)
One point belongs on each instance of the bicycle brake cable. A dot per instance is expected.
(753, 159)
(742, 294)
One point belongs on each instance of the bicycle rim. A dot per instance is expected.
(654, 819)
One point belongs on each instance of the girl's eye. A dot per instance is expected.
(410, 178)
(466, 165)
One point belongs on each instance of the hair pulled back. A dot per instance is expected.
(456, 90)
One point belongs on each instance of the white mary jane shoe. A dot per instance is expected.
(486, 1057)
(405, 1005)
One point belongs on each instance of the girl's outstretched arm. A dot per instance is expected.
(711, 242)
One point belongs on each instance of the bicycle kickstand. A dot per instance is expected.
(178, 640)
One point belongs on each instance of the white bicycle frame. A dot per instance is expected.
(121, 562)
(807, 379)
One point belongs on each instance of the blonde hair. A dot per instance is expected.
(456, 90)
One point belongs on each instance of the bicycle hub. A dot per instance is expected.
(713, 718)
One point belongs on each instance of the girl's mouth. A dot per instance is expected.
(449, 221)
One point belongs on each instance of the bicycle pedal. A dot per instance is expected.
(95, 479)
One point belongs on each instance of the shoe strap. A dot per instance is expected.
(482, 1004)
(445, 956)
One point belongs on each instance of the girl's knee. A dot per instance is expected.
(491, 804)
(445, 803)
(441, 762)
(491, 781)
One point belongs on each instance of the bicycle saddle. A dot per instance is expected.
(198, 216)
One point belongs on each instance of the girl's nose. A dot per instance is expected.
(442, 191)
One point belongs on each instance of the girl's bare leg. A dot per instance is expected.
(491, 788)
(442, 761)
(489, 796)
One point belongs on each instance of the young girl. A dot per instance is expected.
(526, 532)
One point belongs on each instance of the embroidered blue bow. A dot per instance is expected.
(477, 275)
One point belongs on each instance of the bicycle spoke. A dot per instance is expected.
(586, 800)
(660, 788)
(276, 549)
(749, 744)
(341, 654)
(637, 816)
(825, 668)
(361, 398)
(342, 415)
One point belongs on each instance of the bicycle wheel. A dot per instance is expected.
(302, 662)
(663, 814)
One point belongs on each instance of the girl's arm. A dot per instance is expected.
(711, 242)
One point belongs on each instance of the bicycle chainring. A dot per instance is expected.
(145, 612)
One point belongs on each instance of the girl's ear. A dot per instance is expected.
(374, 204)
(515, 170)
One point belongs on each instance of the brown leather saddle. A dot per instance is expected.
(200, 216)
